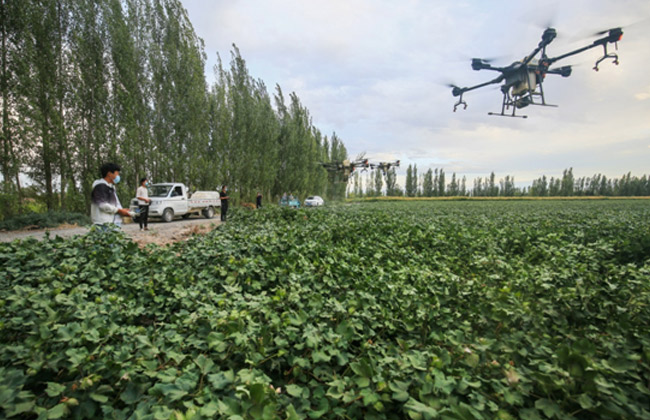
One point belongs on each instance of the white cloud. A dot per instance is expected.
(374, 72)
(642, 96)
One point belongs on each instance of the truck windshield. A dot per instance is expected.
(159, 190)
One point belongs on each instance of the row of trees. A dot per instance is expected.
(433, 183)
(83, 82)
(597, 185)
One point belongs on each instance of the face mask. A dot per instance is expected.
(116, 180)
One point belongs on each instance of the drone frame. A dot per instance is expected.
(347, 167)
(524, 79)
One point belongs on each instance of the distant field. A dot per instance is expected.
(444, 309)
(463, 198)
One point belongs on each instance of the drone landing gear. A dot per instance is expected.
(520, 101)
(460, 102)
(514, 102)
(607, 55)
(497, 114)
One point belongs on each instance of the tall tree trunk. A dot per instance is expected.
(62, 141)
(4, 87)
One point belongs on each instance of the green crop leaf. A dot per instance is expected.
(171, 392)
(472, 360)
(292, 414)
(548, 407)
(400, 390)
(131, 394)
(20, 408)
(362, 381)
(58, 411)
(443, 383)
(54, 389)
(98, 397)
(420, 309)
(210, 409)
(257, 393)
(204, 364)
(320, 356)
(321, 409)
(294, 390)
(416, 410)
(222, 379)
(362, 368)
(585, 401)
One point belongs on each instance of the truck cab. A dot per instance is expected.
(172, 199)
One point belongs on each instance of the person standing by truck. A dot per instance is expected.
(105, 206)
(142, 194)
(258, 203)
(223, 195)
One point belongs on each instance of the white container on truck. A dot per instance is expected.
(169, 200)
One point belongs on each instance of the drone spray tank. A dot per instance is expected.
(523, 81)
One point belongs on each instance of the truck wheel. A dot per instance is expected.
(168, 215)
(209, 212)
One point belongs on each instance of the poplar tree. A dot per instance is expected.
(441, 182)
(13, 149)
(391, 183)
(409, 181)
(427, 183)
(88, 81)
(379, 182)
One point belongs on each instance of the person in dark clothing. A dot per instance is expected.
(142, 194)
(223, 195)
(259, 200)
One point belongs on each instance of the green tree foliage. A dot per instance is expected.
(427, 184)
(392, 189)
(88, 81)
(379, 182)
(411, 181)
(12, 147)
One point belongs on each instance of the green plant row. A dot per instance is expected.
(43, 220)
(451, 310)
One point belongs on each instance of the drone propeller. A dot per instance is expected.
(488, 59)
(616, 31)
(481, 63)
(606, 31)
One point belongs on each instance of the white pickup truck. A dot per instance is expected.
(171, 199)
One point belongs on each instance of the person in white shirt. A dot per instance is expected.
(105, 207)
(143, 202)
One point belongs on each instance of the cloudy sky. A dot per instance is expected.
(375, 72)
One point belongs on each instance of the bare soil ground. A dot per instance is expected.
(159, 232)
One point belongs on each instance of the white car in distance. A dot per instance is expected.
(313, 201)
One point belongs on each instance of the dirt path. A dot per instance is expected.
(159, 232)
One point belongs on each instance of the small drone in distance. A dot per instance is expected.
(523, 79)
(385, 166)
(347, 167)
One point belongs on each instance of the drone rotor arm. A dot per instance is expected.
(547, 37)
(614, 35)
(572, 53)
(491, 82)
(457, 91)
(564, 71)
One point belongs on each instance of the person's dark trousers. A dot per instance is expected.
(143, 216)
(224, 210)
